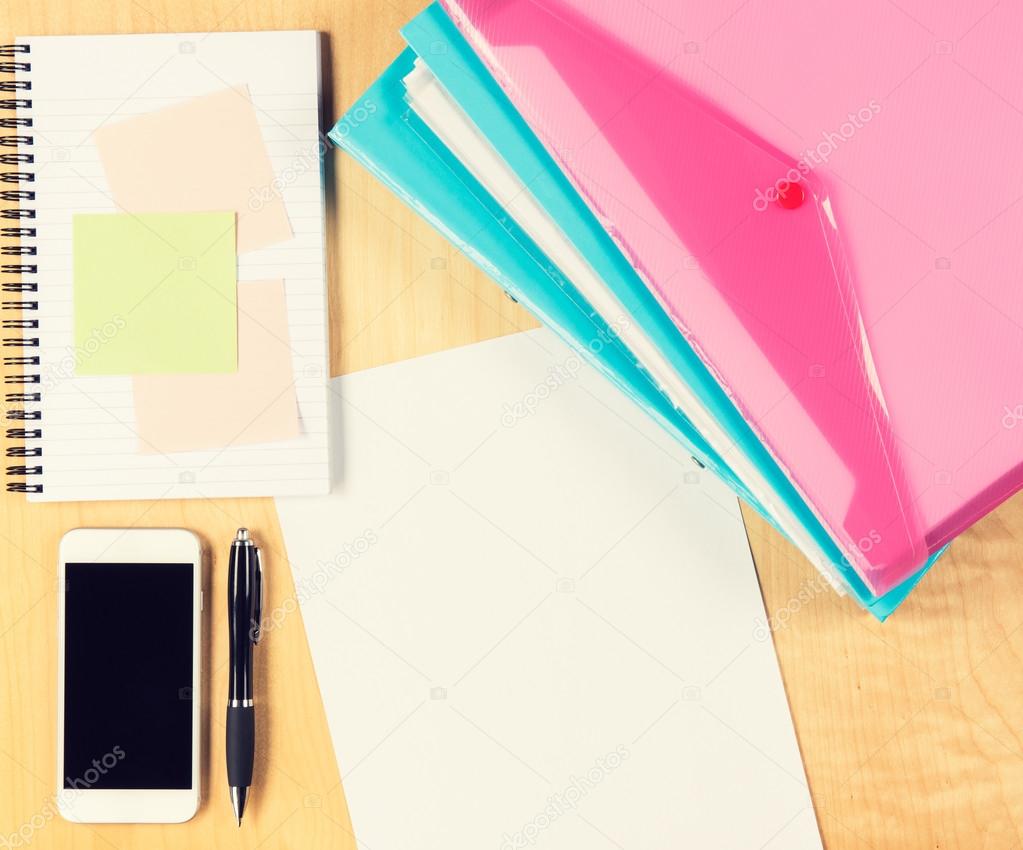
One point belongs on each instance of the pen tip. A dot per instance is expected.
(238, 797)
(243, 535)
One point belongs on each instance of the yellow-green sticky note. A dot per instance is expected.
(155, 293)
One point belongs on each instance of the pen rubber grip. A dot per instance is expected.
(241, 745)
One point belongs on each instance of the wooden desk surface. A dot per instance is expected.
(911, 731)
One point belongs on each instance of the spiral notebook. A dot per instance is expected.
(69, 148)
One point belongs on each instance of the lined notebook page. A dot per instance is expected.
(79, 84)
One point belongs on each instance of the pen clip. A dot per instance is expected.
(258, 617)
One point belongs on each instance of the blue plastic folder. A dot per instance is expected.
(396, 147)
(405, 154)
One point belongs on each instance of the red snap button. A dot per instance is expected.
(790, 195)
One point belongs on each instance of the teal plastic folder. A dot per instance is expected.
(396, 146)
(404, 154)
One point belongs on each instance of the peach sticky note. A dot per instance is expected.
(205, 154)
(256, 404)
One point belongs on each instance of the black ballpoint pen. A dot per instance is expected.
(244, 611)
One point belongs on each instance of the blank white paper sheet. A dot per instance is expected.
(535, 624)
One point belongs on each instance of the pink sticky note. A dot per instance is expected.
(205, 154)
(256, 404)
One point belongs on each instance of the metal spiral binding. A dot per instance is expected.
(23, 388)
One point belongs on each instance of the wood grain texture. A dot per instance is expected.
(910, 730)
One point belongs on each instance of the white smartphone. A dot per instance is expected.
(128, 675)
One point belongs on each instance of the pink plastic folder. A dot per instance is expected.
(827, 199)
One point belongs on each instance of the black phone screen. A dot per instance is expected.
(128, 676)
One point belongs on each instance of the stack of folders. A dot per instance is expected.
(755, 244)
